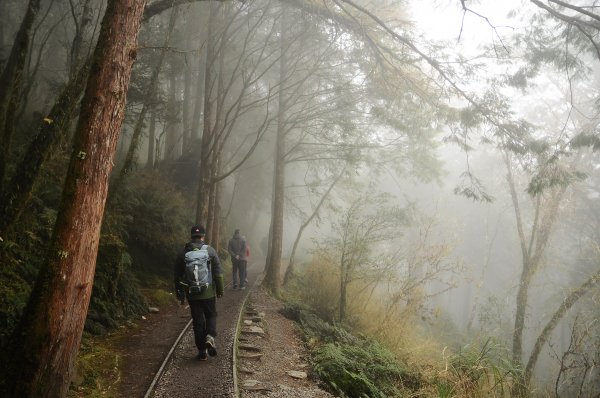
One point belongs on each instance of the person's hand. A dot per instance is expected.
(237, 257)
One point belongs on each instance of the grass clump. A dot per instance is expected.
(352, 366)
(479, 370)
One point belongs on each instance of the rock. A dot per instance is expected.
(254, 330)
(258, 389)
(153, 310)
(250, 356)
(250, 383)
(249, 347)
(247, 371)
(297, 374)
(247, 322)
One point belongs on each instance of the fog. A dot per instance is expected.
(476, 125)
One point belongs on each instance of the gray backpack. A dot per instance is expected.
(197, 269)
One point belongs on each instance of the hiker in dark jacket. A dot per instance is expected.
(237, 251)
(202, 304)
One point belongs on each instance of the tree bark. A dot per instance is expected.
(16, 195)
(205, 171)
(217, 217)
(272, 278)
(172, 142)
(48, 336)
(151, 141)
(82, 31)
(199, 97)
(11, 82)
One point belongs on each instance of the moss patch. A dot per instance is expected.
(97, 368)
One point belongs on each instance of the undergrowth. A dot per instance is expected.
(385, 350)
(353, 366)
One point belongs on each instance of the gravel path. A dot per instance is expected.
(185, 376)
(281, 350)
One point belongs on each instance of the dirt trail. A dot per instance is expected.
(145, 349)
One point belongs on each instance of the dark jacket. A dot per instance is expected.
(216, 287)
(237, 247)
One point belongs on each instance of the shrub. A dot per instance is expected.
(317, 285)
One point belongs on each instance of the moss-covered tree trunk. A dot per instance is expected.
(11, 83)
(48, 337)
(16, 194)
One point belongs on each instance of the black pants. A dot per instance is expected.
(204, 319)
(239, 268)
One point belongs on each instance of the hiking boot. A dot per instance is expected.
(234, 286)
(202, 355)
(210, 345)
(242, 287)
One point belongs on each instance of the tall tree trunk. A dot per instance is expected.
(48, 336)
(15, 196)
(11, 82)
(173, 133)
(270, 236)
(343, 292)
(188, 99)
(272, 278)
(210, 213)
(83, 30)
(199, 97)
(130, 158)
(151, 141)
(205, 171)
(217, 216)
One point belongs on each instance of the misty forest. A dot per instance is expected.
(416, 180)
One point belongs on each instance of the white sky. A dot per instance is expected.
(442, 19)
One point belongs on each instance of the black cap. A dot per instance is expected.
(198, 230)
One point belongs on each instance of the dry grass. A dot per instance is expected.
(478, 370)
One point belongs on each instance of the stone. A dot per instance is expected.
(153, 310)
(247, 371)
(249, 347)
(297, 374)
(247, 322)
(250, 356)
(250, 383)
(254, 330)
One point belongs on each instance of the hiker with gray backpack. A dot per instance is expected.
(198, 277)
